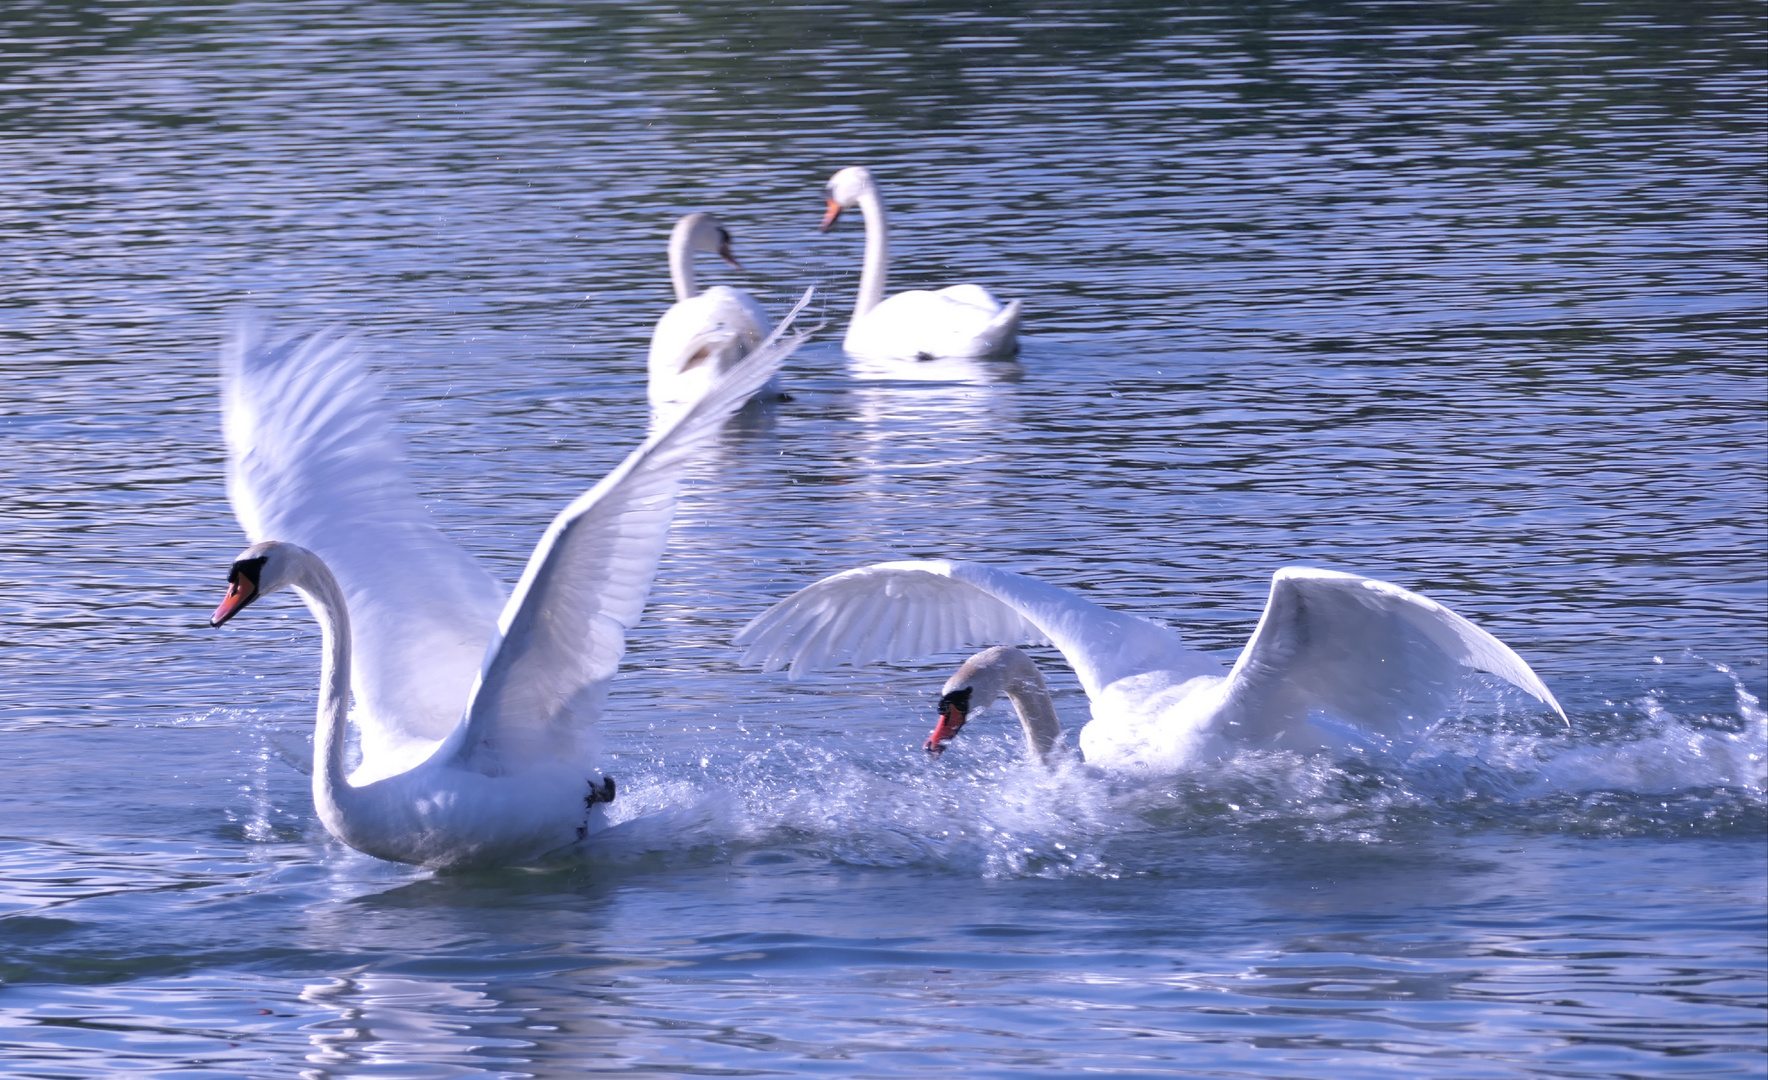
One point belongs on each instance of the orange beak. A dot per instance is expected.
(951, 720)
(724, 252)
(829, 216)
(239, 593)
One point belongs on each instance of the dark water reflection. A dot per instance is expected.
(1465, 296)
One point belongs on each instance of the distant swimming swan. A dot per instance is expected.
(476, 714)
(1365, 651)
(960, 321)
(702, 333)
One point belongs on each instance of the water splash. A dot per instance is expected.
(1653, 767)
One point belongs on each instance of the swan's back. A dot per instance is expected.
(699, 338)
(963, 321)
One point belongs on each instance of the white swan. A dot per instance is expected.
(960, 321)
(702, 333)
(476, 714)
(1361, 650)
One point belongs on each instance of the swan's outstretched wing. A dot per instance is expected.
(312, 460)
(561, 636)
(1363, 650)
(901, 610)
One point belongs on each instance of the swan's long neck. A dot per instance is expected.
(1037, 716)
(332, 793)
(1005, 670)
(681, 263)
(877, 264)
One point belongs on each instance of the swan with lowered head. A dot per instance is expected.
(997, 671)
(1363, 651)
(702, 333)
(476, 713)
(921, 324)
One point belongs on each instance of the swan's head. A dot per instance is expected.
(702, 232)
(843, 191)
(976, 685)
(260, 569)
(954, 709)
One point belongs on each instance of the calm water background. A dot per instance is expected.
(1468, 297)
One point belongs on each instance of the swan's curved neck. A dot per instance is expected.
(1037, 716)
(331, 791)
(681, 264)
(1005, 670)
(877, 264)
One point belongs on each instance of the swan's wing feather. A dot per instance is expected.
(886, 612)
(1366, 651)
(902, 610)
(312, 460)
(563, 631)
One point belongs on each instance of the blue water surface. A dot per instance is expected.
(1468, 297)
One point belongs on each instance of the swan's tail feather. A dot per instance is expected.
(1002, 332)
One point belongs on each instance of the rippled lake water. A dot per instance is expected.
(1466, 297)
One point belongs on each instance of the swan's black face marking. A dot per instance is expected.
(953, 709)
(724, 248)
(242, 589)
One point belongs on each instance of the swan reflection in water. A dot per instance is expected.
(389, 1021)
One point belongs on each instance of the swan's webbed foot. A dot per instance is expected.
(604, 793)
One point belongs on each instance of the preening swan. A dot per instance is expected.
(960, 321)
(702, 333)
(476, 714)
(1360, 650)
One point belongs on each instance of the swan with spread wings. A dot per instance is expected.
(1362, 651)
(475, 708)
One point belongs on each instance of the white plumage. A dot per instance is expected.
(1364, 651)
(962, 321)
(702, 333)
(476, 713)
